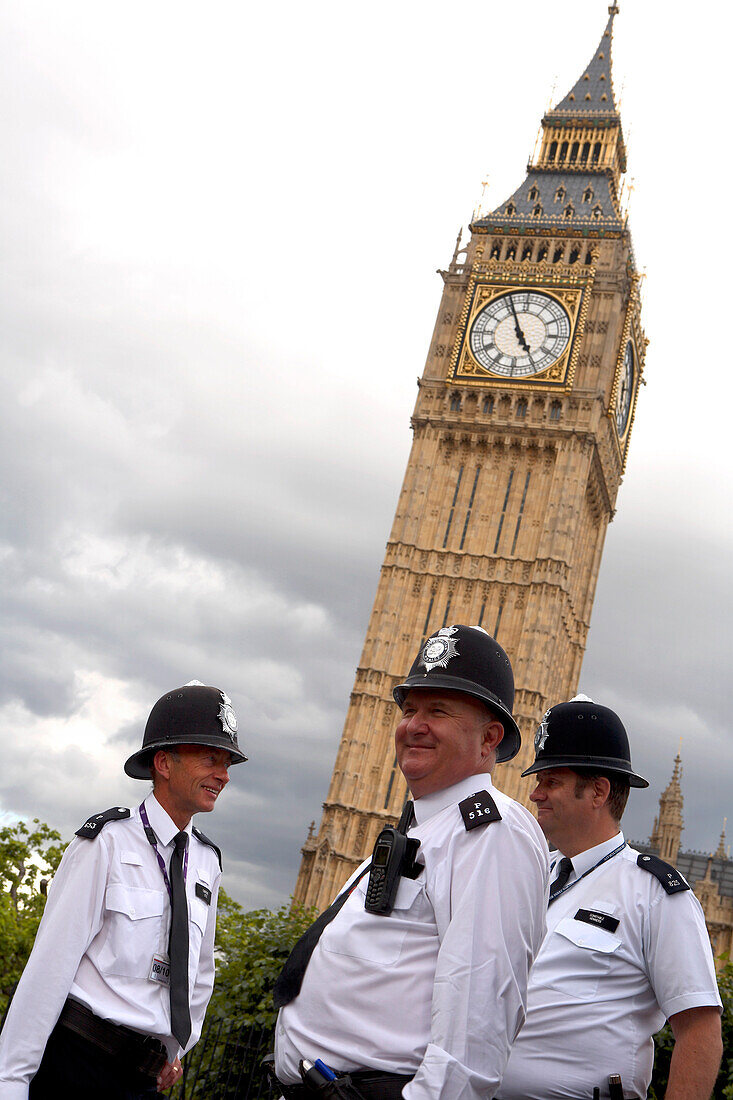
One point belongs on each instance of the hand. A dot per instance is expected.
(169, 1074)
(517, 327)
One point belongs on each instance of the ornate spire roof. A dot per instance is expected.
(573, 186)
(592, 94)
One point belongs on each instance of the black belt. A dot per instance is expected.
(373, 1084)
(142, 1053)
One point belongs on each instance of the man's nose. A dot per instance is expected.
(417, 722)
(536, 795)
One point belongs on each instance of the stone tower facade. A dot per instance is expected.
(521, 429)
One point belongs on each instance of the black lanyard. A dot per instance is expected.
(569, 885)
(150, 834)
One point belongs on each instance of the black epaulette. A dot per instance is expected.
(93, 826)
(671, 880)
(205, 840)
(478, 809)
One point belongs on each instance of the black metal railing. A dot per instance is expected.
(225, 1064)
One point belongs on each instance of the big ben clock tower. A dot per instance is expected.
(521, 431)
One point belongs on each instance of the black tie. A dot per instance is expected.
(564, 871)
(178, 945)
(290, 978)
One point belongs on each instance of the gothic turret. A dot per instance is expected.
(669, 824)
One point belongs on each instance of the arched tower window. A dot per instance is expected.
(568, 211)
(597, 210)
(574, 151)
(588, 194)
(560, 194)
(495, 250)
(455, 402)
(537, 210)
(573, 257)
(558, 254)
(555, 410)
(487, 405)
(542, 254)
(563, 150)
(521, 409)
(585, 152)
(596, 152)
(553, 150)
(510, 209)
(511, 251)
(533, 194)
(527, 252)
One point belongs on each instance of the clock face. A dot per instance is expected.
(625, 390)
(520, 334)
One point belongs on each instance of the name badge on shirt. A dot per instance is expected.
(160, 970)
(601, 920)
(203, 892)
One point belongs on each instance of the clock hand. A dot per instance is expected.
(517, 327)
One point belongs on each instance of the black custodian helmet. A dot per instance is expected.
(467, 659)
(583, 734)
(190, 715)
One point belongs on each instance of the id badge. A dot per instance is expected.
(160, 970)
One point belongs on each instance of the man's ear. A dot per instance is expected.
(162, 764)
(493, 736)
(601, 790)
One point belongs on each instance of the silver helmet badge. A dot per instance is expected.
(541, 736)
(439, 649)
(227, 717)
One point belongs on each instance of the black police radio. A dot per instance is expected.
(393, 858)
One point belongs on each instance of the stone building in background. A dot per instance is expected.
(709, 875)
(521, 430)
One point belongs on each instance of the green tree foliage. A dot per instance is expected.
(250, 951)
(29, 857)
(664, 1042)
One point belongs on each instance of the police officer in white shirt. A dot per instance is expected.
(419, 992)
(117, 984)
(626, 945)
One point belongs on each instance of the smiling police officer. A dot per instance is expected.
(414, 981)
(117, 984)
(626, 945)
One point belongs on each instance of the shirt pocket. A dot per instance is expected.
(372, 937)
(133, 922)
(585, 958)
(198, 916)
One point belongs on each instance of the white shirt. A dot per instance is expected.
(438, 987)
(597, 996)
(107, 915)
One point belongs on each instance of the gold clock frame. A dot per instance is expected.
(632, 331)
(483, 289)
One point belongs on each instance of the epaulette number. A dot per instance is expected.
(478, 809)
(93, 826)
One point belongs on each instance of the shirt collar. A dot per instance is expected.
(585, 860)
(162, 825)
(431, 804)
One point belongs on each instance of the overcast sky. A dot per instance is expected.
(220, 229)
